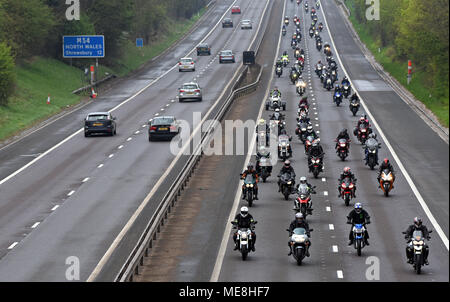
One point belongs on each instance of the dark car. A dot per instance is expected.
(100, 122)
(163, 127)
(203, 49)
(227, 22)
(226, 56)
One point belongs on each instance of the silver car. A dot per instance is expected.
(226, 56)
(246, 24)
(190, 91)
(186, 64)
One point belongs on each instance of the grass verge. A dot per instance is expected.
(438, 105)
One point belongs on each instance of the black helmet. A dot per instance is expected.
(283, 131)
(250, 166)
(417, 221)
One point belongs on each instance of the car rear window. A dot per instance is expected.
(190, 86)
(203, 46)
(186, 60)
(227, 52)
(97, 117)
(162, 121)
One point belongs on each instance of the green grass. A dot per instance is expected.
(44, 76)
(438, 105)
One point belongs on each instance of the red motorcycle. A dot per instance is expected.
(363, 132)
(342, 148)
(347, 190)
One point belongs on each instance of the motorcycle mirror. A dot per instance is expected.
(255, 222)
(288, 230)
(311, 230)
(405, 232)
(430, 231)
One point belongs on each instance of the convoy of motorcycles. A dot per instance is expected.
(299, 238)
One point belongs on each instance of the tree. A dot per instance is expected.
(7, 74)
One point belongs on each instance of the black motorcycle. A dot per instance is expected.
(354, 106)
(287, 183)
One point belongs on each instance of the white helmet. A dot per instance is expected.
(244, 212)
(299, 215)
(303, 179)
(277, 110)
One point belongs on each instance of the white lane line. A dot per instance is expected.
(13, 245)
(129, 139)
(35, 225)
(340, 274)
(324, 179)
(70, 193)
(111, 155)
(226, 235)
(331, 226)
(162, 109)
(137, 132)
(86, 179)
(325, 193)
(167, 105)
(99, 166)
(335, 249)
(55, 207)
(119, 105)
(143, 126)
(416, 192)
(172, 101)
(156, 114)
(317, 125)
(328, 209)
(133, 218)
(316, 118)
(318, 132)
(120, 147)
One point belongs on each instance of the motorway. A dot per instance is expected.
(207, 206)
(75, 199)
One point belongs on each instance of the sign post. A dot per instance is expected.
(409, 72)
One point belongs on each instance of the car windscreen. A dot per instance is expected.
(190, 86)
(226, 53)
(162, 121)
(97, 117)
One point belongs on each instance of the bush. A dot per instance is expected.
(7, 74)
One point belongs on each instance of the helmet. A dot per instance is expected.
(372, 135)
(244, 212)
(287, 163)
(358, 207)
(250, 166)
(262, 121)
(299, 216)
(284, 53)
(417, 221)
(347, 170)
(362, 118)
(344, 131)
(303, 180)
(283, 131)
(309, 128)
(386, 161)
(277, 110)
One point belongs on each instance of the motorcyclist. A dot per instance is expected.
(303, 100)
(304, 181)
(277, 115)
(315, 150)
(358, 216)
(347, 173)
(287, 168)
(299, 222)
(354, 97)
(253, 172)
(279, 63)
(386, 165)
(275, 90)
(371, 140)
(416, 226)
(285, 56)
(244, 220)
(363, 120)
(262, 152)
(345, 81)
(342, 135)
(310, 132)
(263, 126)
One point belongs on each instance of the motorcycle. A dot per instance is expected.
(363, 133)
(386, 182)
(342, 148)
(318, 5)
(285, 61)
(371, 151)
(244, 238)
(299, 241)
(300, 88)
(327, 51)
(319, 46)
(358, 237)
(249, 191)
(311, 33)
(303, 201)
(279, 71)
(262, 139)
(416, 246)
(286, 22)
(293, 44)
(286, 185)
(308, 143)
(337, 98)
(293, 76)
(346, 90)
(316, 166)
(328, 84)
(283, 32)
(347, 189)
(354, 106)
(320, 27)
(297, 54)
(333, 76)
(264, 167)
(284, 148)
(301, 130)
(318, 70)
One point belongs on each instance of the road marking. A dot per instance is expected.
(162, 109)
(13, 245)
(70, 193)
(156, 114)
(129, 139)
(99, 166)
(143, 126)
(340, 274)
(55, 207)
(325, 193)
(416, 192)
(331, 226)
(335, 249)
(167, 105)
(328, 209)
(111, 155)
(86, 179)
(120, 147)
(137, 132)
(35, 225)
(324, 179)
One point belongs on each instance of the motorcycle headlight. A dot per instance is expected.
(244, 235)
(303, 129)
(342, 145)
(351, 186)
(283, 144)
(251, 185)
(420, 242)
(363, 130)
(247, 185)
(289, 182)
(373, 151)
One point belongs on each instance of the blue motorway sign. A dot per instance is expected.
(84, 46)
(139, 42)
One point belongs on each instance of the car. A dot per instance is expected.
(186, 64)
(246, 24)
(227, 22)
(203, 49)
(163, 127)
(226, 56)
(235, 10)
(190, 91)
(100, 122)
